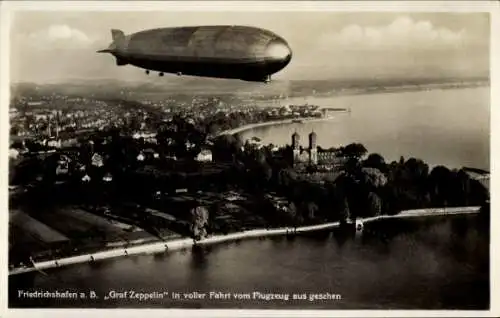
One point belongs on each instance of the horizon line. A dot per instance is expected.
(377, 78)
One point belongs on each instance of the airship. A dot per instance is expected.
(219, 51)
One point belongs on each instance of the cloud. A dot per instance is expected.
(64, 32)
(402, 33)
(402, 47)
(59, 36)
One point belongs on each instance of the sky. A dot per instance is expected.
(60, 45)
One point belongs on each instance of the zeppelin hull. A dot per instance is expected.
(237, 69)
(222, 42)
(214, 51)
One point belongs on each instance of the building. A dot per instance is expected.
(54, 143)
(150, 154)
(107, 177)
(141, 156)
(314, 155)
(148, 137)
(205, 155)
(480, 175)
(63, 165)
(69, 142)
(86, 178)
(13, 153)
(253, 143)
(97, 160)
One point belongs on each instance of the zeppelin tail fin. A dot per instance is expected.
(118, 43)
(117, 35)
(117, 47)
(118, 38)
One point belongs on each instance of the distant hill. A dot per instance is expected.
(172, 85)
(377, 82)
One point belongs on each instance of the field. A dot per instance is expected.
(35, 229)
(34, 232)
(228, 209)
(78, 224)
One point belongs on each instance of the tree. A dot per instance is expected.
(373, 178)
(354, 150)
(226, 147)
(291, 209)
(299, 219)
(375, 204)
(213, 128)
(286, 177)
(479, 194)
(440, 181)
(293, 214)
(26, 171)
(312, 209)
(376, 161)
(345, 212)
(462, 188)
(14, 130)
(352, 166)
(199, 222)
(408, 185)
(417, 169)
(265, 172)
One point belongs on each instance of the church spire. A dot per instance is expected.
(312, 140)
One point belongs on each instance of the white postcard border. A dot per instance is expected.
(7, 7)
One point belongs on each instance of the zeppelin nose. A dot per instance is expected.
(278, 51)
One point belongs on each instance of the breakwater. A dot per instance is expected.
(178, 244)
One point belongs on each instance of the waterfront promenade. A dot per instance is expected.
(271, 123)
(178, 244)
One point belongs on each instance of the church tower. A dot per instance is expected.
(49, 129)
(313, 149)
(295, 140)
(296, 147)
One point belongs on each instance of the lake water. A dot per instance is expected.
(443, 264)
(443, 127)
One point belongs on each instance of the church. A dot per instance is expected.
(314, 155)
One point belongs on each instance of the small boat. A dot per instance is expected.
(297, 121)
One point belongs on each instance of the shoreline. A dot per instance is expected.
(179, 244)
(390, 90)
(246, 127)
(400, 89)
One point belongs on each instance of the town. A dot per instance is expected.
(90, 173)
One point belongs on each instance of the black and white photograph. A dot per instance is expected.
(198, 156)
